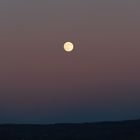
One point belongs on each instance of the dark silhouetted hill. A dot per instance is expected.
(124, 130)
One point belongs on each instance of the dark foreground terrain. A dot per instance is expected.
(125, 130)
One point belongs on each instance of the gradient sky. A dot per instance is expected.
(98, 81)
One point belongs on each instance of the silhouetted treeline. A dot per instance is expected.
(125, 130)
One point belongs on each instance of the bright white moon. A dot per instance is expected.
(68, 46)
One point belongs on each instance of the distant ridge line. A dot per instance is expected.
(82, 123)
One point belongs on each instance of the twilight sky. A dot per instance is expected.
(98, 81)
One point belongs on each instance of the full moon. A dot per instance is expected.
(68, 46)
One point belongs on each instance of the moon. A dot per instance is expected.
(68, 46)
